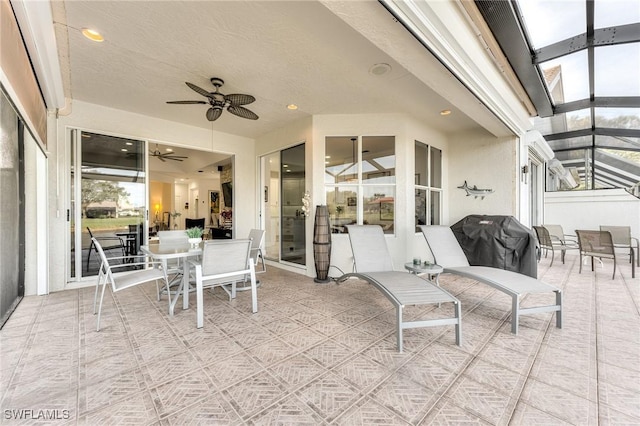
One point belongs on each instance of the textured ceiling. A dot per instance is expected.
(280, 52)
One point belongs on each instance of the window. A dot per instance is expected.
(360, 181)
(428, 185)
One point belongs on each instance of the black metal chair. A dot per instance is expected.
(191, 223)
(107, 243)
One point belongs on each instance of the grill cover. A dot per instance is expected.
(497, 241)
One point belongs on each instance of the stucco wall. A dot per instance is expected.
(487, 162)
(590, 209)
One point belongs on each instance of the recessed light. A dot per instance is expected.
(379, 69)
(288, 171)
(327, 156)
(285, 165)
(169, 149)
(445, 112)
(128, 143)
(326, 162)
(292, 107)
(124, 149)
(92, 35)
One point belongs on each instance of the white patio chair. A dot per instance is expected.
(257, 240)
(596, 245)
(447, 253)
(224, 263)
(123, 280)
(173, 267)
(372, 262)
(553, 243)
(622, 239)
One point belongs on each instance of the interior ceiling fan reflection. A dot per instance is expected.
(163, 156)
(217, 101)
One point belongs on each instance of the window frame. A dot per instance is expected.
(359, 185)
(428, 187)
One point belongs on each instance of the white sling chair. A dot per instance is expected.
(447, 253)
(373, 264)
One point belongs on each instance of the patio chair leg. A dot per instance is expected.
(199, 297)
(552, 255)
(515, 314)
(95, 295)
(399, 331)
(254, 289)
(559, 313)
(458, 309)
(104, 287)
(580, 270)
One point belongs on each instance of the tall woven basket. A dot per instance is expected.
(322, 244)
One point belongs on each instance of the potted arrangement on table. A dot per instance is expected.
(195, 235)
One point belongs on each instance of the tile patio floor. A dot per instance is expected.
(326, 354)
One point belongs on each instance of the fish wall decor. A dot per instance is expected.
(475, 191)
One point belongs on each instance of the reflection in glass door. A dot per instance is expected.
(107, 199)
(283, 186)
(293, 247)
(270, 166)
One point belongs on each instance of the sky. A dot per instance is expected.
(617, 68)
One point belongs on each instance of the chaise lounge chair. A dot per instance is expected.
(448, 254)
(373, 264)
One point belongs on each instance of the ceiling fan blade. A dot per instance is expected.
(242, 112)
(240, 99)
(198, 89)
(171, 158)
(213, 114)
(186, 102)
(161, 158)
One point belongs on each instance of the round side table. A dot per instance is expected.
(422, 268)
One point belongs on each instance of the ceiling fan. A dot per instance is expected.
(164, 156)
(218, 101)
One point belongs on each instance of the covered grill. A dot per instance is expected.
(499, 242)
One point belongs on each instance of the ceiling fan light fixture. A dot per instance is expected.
(92, 35)
(445, 112)
(217, 101)
(292, 107)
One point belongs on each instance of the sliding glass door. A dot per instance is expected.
(108, 198)
(283, 186)
(11, 209)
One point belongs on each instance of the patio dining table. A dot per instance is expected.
(166, 251)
